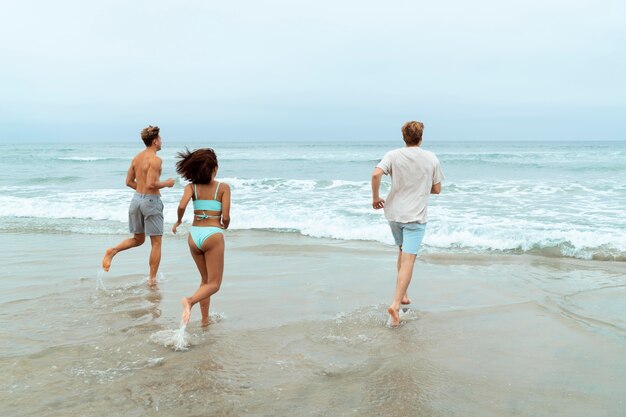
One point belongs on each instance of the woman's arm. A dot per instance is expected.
(182, 206)
(226, 206)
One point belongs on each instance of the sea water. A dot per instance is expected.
(563, 199)
(493, 329)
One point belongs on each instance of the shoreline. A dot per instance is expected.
(426, 252)
(302, 321)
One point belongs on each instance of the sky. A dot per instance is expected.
(312, 70)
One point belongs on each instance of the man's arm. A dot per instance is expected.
(130, 176)
(154, 174)
(436, 188)
(377, 202)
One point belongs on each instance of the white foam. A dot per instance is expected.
(99, 281)
(579, 218)
(178, 340)
(86, 158)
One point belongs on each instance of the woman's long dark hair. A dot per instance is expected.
(197, 166)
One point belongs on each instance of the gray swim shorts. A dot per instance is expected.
(145, 215)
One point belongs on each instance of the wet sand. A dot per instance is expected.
(300, 330)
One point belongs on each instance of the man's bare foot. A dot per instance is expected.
(186, 302)
(152, 283)
(405, 300)
(205, 322)
(108, 257)
(395, 318)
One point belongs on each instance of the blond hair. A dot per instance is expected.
(149, 134)
(412, 132)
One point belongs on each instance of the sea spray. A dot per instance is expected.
(100, 282)
(176, 339)
(180, 342)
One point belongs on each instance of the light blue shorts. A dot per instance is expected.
(408, 235)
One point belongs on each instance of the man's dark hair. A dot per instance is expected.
(197, 166)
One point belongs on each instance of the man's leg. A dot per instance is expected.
(155, 257)
(405, 272)
(405, 297)
(152, 209)
(136, 240)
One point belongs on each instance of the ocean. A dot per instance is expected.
(517, 296)
(552, 199)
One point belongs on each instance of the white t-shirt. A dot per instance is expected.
(413, 172)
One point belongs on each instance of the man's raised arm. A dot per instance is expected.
(130, 176)
(154, 174)
(377, 202)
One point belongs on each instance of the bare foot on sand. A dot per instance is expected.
(395, 318)
(108, 257)
(186, 302)
(406, 300)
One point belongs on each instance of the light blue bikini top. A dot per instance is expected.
(211, 205)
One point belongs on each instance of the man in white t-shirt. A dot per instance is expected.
(415, 174)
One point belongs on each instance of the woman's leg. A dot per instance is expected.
(204, 310)
(198, 257)
(213, 263)
(215, 267)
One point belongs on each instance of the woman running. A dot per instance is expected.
(211, 205)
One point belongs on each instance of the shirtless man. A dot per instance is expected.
(145, 215)
(415, 174)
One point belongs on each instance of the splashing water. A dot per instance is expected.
(100, 283)
(176, 339)
(180, 341)
(405, 314)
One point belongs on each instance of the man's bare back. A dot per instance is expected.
(144, 173)
(146, 169)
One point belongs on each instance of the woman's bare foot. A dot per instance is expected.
(395, 318)
(205, 322)
(108, 257)
(186, 302)
(152, 283)
(405, 300)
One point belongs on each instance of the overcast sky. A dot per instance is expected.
(312, 70)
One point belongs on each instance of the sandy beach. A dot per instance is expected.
(300, 330)
(492, 133)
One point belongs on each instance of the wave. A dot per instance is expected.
(52, 180)
(583, 221)
(586, 245)
(88, 158)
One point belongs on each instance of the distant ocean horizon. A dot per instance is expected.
(558, 198)
(136, 140)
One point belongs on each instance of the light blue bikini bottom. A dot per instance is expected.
(200, 233)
